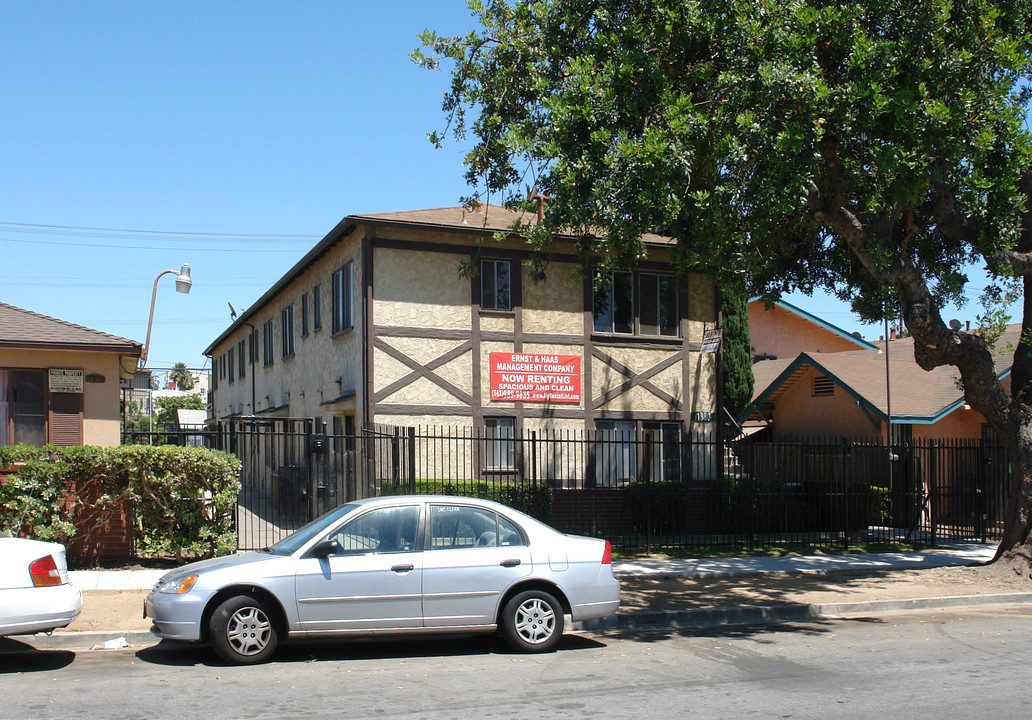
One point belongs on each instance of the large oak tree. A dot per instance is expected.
(878, 149)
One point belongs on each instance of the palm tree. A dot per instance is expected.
(181, 376)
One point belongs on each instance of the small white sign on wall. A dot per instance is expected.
(65, 381)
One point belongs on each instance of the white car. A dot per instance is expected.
(35, 595)
(392, 566)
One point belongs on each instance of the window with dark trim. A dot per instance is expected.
(495, 285)
(287, 330)
(500, 447)
(342, 309)
(268, 343)
(317, 307)
(638, 303)
(240, 359)
(231, 362)
(304, 314)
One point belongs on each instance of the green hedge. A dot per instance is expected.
(182, 497)
(751, 505)
(765, 506)
(533, 499)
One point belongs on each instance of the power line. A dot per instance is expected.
(149, 247)
(81, 229)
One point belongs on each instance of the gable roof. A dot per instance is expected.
(25, 329)
(820, 322)
(918, 396)
(488, 219)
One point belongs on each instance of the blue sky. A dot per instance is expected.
(229, 135)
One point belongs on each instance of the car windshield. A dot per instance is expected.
(291, 543)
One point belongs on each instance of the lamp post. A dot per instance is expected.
(183, 285)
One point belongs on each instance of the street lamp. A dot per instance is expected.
(183, 285)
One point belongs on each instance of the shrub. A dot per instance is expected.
(182, 498)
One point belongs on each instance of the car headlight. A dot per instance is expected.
(178, 585)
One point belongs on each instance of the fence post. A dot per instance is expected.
(933, 484)
(412, 460)
(845, 493)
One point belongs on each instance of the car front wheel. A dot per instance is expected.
(242, 632)
(532, 621)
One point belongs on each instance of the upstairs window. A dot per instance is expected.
(637, 304)
(304, 315)
(287, 330)
(317, 307)
(495, 285)
(342, 304)
(268, 343)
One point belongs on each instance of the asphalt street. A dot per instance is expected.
(966, 663)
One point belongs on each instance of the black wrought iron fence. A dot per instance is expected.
(648, 489)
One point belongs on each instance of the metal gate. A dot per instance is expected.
(291, 473)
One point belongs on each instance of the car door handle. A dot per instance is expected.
(403, 568)
(510, 563)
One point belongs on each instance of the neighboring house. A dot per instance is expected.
(376, 325)
(59, 382)
(782, 330)
(844, 394)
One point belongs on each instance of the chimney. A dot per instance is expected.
(967, 325)
(892, 333)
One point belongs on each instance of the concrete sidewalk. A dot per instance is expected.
(724, 592)
(943, 556)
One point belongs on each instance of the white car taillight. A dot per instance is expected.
(607, 554)
(44, 572)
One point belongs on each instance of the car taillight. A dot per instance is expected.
(607, 554)
(44, 572)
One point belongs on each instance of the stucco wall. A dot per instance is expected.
(784, 334)
(101, 401)
(308, 379)
(799, 413)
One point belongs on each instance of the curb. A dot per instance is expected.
(699, 619)
(704, 618)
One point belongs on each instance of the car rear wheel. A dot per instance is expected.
(532, 621)
(242, 632)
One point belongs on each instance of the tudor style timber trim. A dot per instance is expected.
(367, 332)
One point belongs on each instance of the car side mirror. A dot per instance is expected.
(325, 549)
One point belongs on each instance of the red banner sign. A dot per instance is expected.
(533, 377)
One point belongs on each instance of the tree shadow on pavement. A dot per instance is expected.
(755, 631)
(169, 652)
(17, 656)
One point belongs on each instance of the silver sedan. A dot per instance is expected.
(392, 565)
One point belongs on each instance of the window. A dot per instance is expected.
(500, 451)
(616, 458)
(386, 530)
(304, 315)
(23, 412)
(459, 526)
(240, 359)
(268, 348)
(287, 330)
(495, 285)
(637, 304)
(662, 446)
(232, 363)
(342, 310)
(317, 307)
(251, 357)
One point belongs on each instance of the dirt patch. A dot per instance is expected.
(104, 610)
